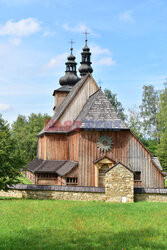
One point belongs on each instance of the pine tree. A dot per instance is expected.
(10, 163)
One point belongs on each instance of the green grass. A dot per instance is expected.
(165, 183)
(50, 224)
(24, 180)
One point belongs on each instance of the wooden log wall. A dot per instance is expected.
(82, 147)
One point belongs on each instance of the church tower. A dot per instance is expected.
(67, 81)
(70, 77)
(85, 67)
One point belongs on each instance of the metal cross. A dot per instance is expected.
(86, 35)
(71, 42)
(100, 83)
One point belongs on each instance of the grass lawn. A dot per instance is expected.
(50, 224)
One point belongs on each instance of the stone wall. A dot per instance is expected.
(151, 194)
(119, 187)
(56, 193)
(119, 184)
(80, 193)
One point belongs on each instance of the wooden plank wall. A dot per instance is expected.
(83, 148)
(53, 147)
(126, 149)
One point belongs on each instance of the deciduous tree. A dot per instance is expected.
(115, 103)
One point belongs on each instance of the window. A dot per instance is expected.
(47, 176)
(72, 180)
(137, 176)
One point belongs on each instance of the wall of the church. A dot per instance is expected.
(82, 147)
(126, 149)
(53, 147)
(59, 98)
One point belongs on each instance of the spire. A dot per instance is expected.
(70, 77)
(85, 67)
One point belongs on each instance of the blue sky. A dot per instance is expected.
(127, 38)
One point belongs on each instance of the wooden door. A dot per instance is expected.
(102, 175)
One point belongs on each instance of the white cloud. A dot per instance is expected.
(108, 61)
(126, 16)
(15, 41)
(4, 107)
(102, 56)
(97, 50)
(80, 27)
(56, 61)
(24, 27)
(49, 33)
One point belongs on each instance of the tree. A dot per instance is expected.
(115, 103)
(134, 123)
(149, 110)
(162, 125)
(162, 150)
(25, 132)
(10, 163)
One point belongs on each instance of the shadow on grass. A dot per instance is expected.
(56, 239)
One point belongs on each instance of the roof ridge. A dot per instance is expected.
(70, 98)
(94, 93)
(64, 162)
(90, 105)
(43, 161)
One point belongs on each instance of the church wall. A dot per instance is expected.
(53, 147)
(83, 148)
(126, 149)
(79, 101)
(74, 146)
(57, 147)
(59, 98)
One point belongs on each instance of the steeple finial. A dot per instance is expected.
(71, 42)
(86, 36)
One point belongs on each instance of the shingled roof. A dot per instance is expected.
(68, 99)
(65, 88)
(97, 109)
(64, 104)
(99, 113)
(157, 162)
(44, 166)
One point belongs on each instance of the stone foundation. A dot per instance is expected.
(151, 194)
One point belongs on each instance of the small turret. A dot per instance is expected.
(85, 67)
(70, 77)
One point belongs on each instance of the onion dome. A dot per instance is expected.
(85, 67)
(70, 77)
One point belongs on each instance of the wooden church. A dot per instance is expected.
(85, 137)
